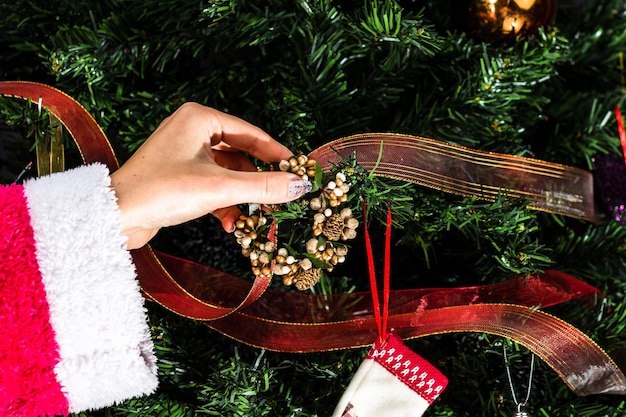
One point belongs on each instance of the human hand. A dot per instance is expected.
(191, 166)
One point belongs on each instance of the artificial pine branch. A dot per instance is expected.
(315, 70)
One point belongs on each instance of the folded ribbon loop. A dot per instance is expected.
(469, 172)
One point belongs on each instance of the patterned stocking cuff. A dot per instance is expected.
(392, 381)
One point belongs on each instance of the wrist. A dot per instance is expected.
(136, 235)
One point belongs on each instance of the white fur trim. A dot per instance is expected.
(96, 308)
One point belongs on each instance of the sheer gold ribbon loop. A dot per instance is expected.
(463, 171)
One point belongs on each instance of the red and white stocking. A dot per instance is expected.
(392, 381)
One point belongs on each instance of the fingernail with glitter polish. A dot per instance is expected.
(298, 187)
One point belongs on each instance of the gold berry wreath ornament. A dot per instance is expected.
(315, 230)
(320, 224)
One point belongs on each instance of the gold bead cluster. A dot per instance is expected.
(248, 230)
(331, 225)
(300, 165)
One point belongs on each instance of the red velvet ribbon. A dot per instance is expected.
(296, 322)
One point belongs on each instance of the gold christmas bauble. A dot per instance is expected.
(502, 20)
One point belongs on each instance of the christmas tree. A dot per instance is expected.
(309, 72)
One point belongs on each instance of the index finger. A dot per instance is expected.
(246, 137)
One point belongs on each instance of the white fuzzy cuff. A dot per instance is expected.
(96, 308)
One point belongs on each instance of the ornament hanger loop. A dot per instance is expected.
(381, 317)
(521, 406)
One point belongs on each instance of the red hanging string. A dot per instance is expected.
(381, 322)
(387, 270)
(620, 130)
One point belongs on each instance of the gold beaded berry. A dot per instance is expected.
(322, 245)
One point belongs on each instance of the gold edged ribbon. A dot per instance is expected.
(463, 171)
(305, 323)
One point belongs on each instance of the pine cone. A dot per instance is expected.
(333, 227)
(307, 279)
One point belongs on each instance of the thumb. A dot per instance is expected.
(268, 187)
(262, 188)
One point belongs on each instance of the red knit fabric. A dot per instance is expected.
(28, 350)
(409, 367)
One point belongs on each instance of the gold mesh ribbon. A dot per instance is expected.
(463, 171)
